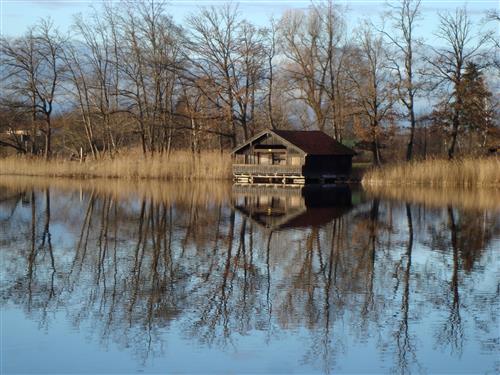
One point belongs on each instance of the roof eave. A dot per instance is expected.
(249, 141)
(258, 135)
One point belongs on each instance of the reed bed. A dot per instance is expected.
(179, 165)
(479, 199)
(481, 172)
(197, 194)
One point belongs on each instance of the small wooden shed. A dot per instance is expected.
(289, 156)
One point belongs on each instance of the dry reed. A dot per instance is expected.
(481, 172)
(182, 165)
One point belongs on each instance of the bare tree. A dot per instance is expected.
(270, 50)
(493, 16)
(34, 68)
(249, 79)
(147, 51)
(315, 47)
(159, 45)
(21, 64)
(300, 35)
(50, 49)
(227, 53)
(335, 50)
(96, 82)
(404, 16)
(77, 78)
(374, 96)
(448, 63)
(13, 119)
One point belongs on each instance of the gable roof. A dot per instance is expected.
(311, 142)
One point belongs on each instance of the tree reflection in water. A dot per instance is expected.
(346, 269)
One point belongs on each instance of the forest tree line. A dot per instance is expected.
(129, 76)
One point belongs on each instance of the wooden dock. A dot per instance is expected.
(285, 174)
(281, 174)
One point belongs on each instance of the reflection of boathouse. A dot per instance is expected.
(282, 206)
(284, 156)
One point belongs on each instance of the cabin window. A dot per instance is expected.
(265, 159)
(296, 160)
(279, 159)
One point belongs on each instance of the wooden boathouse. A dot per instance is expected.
(291, 157)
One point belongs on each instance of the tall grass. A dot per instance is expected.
(180, 165)
(481, 172)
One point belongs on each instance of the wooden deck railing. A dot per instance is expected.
(263, 169)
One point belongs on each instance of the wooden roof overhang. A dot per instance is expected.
(312, 142)
(266, 133)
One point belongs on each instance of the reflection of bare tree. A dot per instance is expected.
(462, 237)
(9, 200)
(329, 268)
(226, 304)
(452, 333)
(32, 254)
(47, 243)
(369, 255)
(474, 231)
(131, 268)
(82, 244)
(406, 351)
(40, 260)
(268, 272)
(374, 217)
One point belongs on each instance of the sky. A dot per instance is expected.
(17, 15)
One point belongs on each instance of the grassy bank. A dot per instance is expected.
(179, 165)
(481, 172)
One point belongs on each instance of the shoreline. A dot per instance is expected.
(215, 166)
(207, 192)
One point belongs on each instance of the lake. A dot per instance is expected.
(125, 277)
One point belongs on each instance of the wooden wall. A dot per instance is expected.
(317, 165)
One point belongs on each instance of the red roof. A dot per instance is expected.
(314, 142)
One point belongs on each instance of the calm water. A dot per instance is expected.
(121, 278)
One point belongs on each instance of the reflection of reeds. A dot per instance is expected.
(179, 165)
(438, 172)
(469, 199)
(173, 192)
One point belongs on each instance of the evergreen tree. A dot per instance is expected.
(477, 108)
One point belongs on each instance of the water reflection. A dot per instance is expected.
(282, 207)
(386, 280)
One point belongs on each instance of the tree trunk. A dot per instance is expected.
(48, 139)
(375, 146)
(454, 134)
(411, 141)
